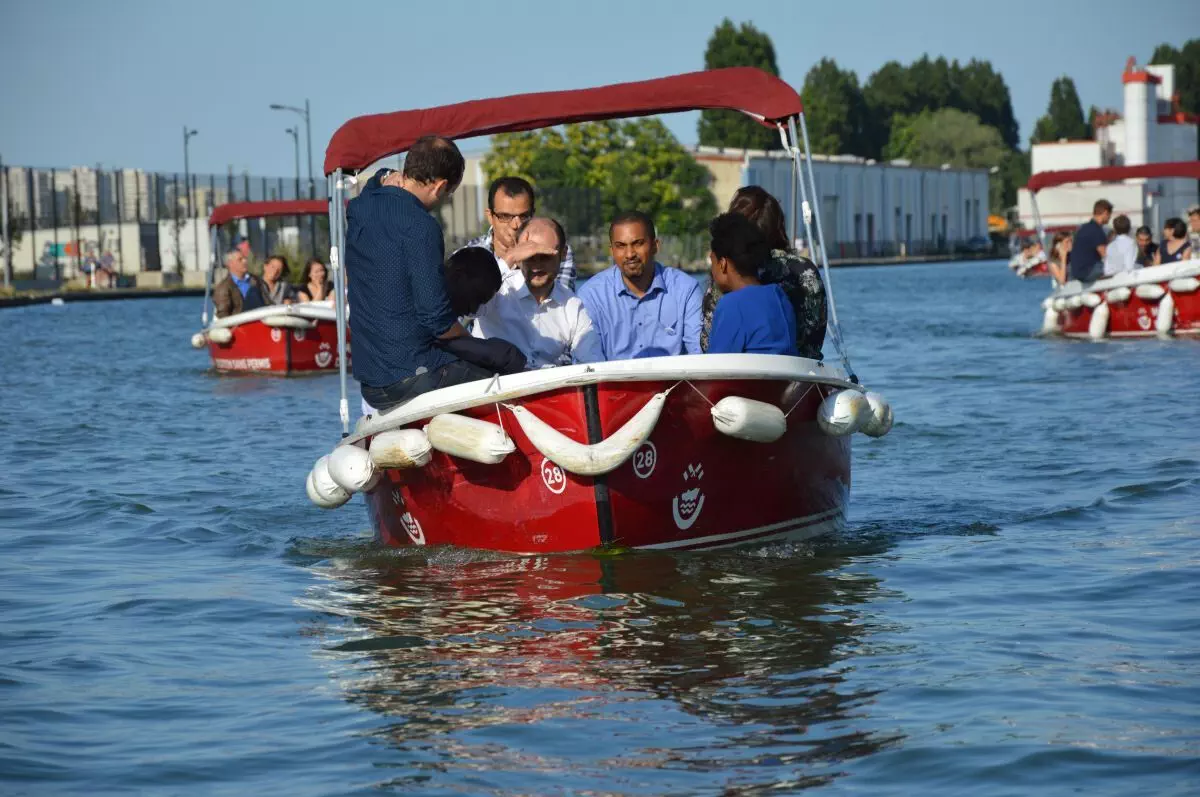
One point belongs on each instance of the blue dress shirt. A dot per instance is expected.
(757, 319)
(663, 322)
(242, 283)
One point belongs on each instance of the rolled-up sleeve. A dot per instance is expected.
(428, 280)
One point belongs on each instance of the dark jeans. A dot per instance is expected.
(395, 394)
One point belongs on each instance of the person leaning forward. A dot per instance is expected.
(396, 284)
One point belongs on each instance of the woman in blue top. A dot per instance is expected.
(1175, 245)
(750, 317)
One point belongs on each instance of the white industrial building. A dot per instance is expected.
(1152, 129)
(868, 209)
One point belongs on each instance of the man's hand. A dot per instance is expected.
(525, 250)
(456, 330)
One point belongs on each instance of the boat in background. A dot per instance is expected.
(1155, 301)
(298, 338)
(682, 452)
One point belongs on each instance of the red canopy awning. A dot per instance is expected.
(260, 210)
(365, 139)
(1113, 173)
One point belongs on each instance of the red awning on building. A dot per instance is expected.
(366, 139)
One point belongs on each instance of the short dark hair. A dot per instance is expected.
(433, 158)
(1176, 226)
(1144, 230)
(736, 238)
(631, 216)
(513, 187)
(472, 277)
(1121, 225)
(1101, 206)
(280, 258)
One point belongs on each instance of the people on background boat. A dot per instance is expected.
(1121, 253)
(536, 312)
(394, 267)
(1146, 248)
(314, 282)
(1193, 217)
(511, 204)
(240, 290)
(797, 276)
(276, 289)
(1175, 245)
(750, 317)
(1060, 256)
(640, 307)
(1087, 252)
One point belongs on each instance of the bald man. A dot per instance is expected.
(534, 310)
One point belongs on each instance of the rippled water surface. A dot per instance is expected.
(1013, 611)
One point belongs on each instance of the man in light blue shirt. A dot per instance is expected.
(640, 307)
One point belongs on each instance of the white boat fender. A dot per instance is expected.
(879, 420)
(198, 341)
(353, 469)
(322, 489)
(1091, 299)
(842, 412)
(1075, 302)
(1184, 285)
(1048, 303)
(469, 438)
(400, 448)
(1118, 295)
(220, 335)
(1165, 320)
(1049, 322)
(1060, 304)
(1151, 292)
(747, 419)
(1098, 326)
(597, 458)
(289, 321)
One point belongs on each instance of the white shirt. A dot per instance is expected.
(557, 331)
(1121, 255)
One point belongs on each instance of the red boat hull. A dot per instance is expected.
(1040, 270)
(689, 486)
(258, 348)
(1135, 318)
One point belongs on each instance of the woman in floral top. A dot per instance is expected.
(797, 275)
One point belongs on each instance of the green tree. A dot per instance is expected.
(887, 93)
(836, 111)
(635, 164)
(932, 138)
(742, 45)
(1064, 117)
(1186, 61)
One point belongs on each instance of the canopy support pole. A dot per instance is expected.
(214, 253)
(818, 236)
(337, 242)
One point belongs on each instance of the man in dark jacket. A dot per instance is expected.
(401, 319)
(240, 290)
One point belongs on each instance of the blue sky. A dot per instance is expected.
(113, 82)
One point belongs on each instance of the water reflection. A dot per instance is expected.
(587, 666)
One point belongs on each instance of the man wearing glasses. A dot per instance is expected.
(511, 203)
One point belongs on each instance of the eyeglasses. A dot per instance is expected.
(506, 218)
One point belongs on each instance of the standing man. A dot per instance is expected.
(641, 307)
(1193, 215)
(535, 312)
(240, 290)
(1091, 244)
(511, 204)
(394, 253)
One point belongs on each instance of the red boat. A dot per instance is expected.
(1155, 301)
(297, 338)
(686, 452)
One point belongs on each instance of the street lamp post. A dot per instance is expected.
(187, 187)
(304, 112)
(295, 134)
